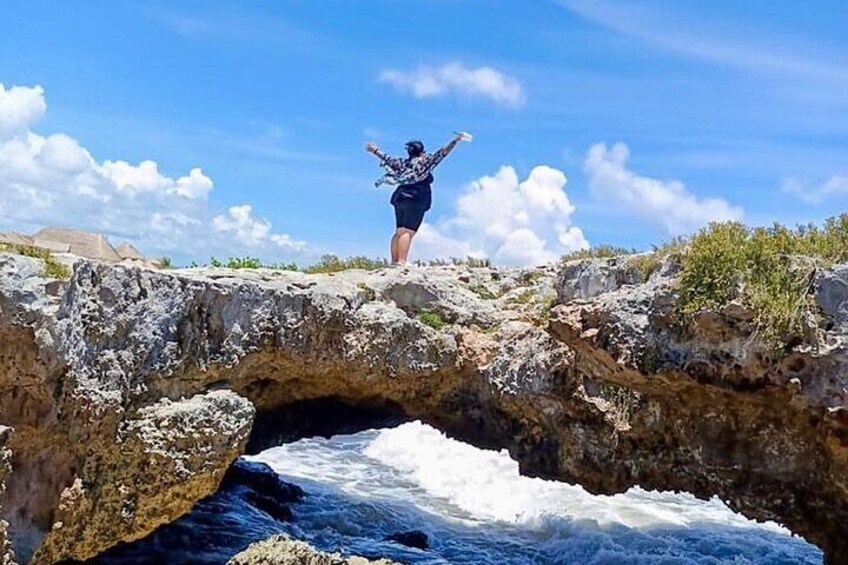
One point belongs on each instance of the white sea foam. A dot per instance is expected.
(474, 502)
(488, 485)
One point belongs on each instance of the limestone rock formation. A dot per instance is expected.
(282, 550)
(7, 556)
(132, 390)
(164, 458)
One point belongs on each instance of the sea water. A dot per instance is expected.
(477, 509)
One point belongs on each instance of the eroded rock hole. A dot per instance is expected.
(322, 417)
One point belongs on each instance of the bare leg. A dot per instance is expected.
(394, 247)
(404, 242)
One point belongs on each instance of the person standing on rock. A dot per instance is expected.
(413, 177)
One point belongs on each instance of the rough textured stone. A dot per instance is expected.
(282, 550)
(260, 478)
(832, 294)
(7, 555)
(164, 459)
(592, 277)
(605, 388)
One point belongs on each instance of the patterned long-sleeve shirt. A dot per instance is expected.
(400, 171)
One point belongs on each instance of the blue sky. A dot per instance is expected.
(706, 111)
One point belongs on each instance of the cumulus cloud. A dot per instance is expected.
(19, 107)
(286, 241)
(145, 177)
(456, 78)
(510, 221)
(54, 180)
(240, 222)
(816, 194)
(664, 203)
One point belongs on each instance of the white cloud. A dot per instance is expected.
(456, 78)
(53, 180)
(512, 222)
(240, 222)
(288, 242)
(436, 245)
(833, 187)
(145, 177)
(665, 203)
(164, 222)
(19, 107)
(195, 186)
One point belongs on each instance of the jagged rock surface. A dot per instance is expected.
(124, 377)
(7, 556)
(282, 550)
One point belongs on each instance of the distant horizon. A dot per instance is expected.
(212, 129)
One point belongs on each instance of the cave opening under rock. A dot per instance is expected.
(320, 417)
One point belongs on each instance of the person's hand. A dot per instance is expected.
(371, 147)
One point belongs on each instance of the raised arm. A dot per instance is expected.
(393, 163)
(437, 156)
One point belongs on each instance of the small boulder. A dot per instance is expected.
(588, 278)
(283, 550)
(261, 479)
(414, 538)
(276, 510)
(832, 294)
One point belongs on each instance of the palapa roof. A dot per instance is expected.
(15, 238)
(85, 244)
(128, 251)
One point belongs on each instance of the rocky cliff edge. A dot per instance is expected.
(125, 393)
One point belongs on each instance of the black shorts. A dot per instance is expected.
(410, 213)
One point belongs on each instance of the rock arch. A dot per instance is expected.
(131, 390)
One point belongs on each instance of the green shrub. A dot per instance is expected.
(249, 263)
(481, 291)
(598, 252)
(474, 262)
(529, 278)
(490, 329)
(432, 319)
(713, 267)
(370, 293)
(525, 297)
(334, 264)
(673, 249)
(243, 263)
(53, 268)
(165, 262)
(56, 270)
(769, 270)
(645, 264)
